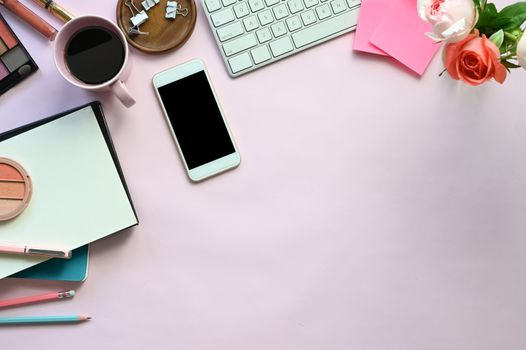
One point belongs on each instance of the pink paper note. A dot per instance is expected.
(371, 13)
(401, 34)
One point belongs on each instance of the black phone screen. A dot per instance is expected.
(196, 120)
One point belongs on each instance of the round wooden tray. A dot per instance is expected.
(165, 34)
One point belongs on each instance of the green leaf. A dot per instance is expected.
(491, 8)
(513, 9)
(477, 3)
(497, 38)
(509, 65)
(513, 15)
(487, 15)
(509, 18)
(486, 21)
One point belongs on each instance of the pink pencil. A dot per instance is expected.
(36, 298)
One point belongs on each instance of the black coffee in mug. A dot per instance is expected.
(94, 55)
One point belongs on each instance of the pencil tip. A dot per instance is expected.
(88, 318)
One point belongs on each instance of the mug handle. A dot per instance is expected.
(122, 93)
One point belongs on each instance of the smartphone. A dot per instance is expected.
(196, 120)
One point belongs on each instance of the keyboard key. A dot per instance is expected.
(271, 2)
(308, 17)
(325, 29)
(256, 5)
(353, 3)
(278, 29)
(212, 5)
(280, 11)
(293, 23)
(264, 35)
(250, 23)
(295, 6)
(281, 46)
(239, 44)
(310, 3)
(338, 6)
(229, 2)
(239, 63)
(230, 31)
(222, 17)
(241, 9)
(323, 11)
(261, 54)
(265, 17)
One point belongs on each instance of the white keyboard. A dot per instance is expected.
(254, 33)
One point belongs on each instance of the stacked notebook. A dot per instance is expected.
(79, 192)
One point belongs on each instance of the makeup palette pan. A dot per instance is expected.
(15, 62)
(15, 189)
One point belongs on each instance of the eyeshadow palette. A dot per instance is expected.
(15, 63)
(15, 189)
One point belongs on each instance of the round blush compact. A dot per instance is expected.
(15, 189)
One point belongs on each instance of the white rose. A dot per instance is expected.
(452, 20)
(521, 51)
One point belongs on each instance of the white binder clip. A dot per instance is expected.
(148, 4)
(139, 18)
(173, 8)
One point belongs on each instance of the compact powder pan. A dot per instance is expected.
(15, 189)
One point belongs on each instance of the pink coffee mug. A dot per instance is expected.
(115, 84)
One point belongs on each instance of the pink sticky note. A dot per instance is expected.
(371, 13)
(401, 34)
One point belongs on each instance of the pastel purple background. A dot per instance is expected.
(372, 210)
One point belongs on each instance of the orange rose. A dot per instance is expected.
(474, 60)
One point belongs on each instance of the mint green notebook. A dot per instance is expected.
(70, 270)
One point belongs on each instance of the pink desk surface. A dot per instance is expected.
(372, 210)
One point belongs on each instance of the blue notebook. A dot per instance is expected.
(70, 270)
